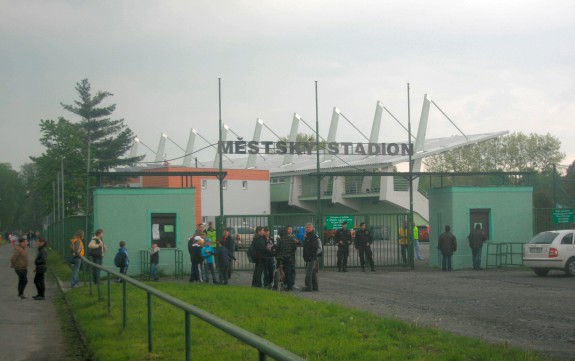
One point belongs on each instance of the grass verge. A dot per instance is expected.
(313, 330)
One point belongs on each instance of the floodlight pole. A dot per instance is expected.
(410, 225)
(220, 226)
(318, 221)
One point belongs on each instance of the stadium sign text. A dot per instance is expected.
(345, 148)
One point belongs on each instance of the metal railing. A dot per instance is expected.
(264, 347)
(504, 254)
(177, 265)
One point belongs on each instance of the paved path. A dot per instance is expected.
(29, 329)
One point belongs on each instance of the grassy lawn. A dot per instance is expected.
(313, 330)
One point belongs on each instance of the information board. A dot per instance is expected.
(334, 222)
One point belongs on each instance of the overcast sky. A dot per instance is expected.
(490, 65)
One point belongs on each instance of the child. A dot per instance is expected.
(208, 254)
(154, 260)
(223, 260)
(124, 260)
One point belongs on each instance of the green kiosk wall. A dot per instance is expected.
(506, 212)
(138, 216)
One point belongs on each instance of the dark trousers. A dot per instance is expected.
(223, 272)
(288, 267)
(404, 253)
(22, 280)
(196, 273)
(365, 252)
(96, 271)
(39, 283)
(258, 272)
(446, 263)
(269, 272)
(342, 255)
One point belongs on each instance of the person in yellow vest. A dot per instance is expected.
(403, 240)
(416, 242)
(77, 252)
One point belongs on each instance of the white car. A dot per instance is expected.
(551, 250)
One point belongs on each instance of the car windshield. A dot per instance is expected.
(544, 238)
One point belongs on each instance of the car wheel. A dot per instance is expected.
(541, 271)
(570, 267)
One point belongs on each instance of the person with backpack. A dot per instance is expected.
(77, 254)
(97, 248)
(122, 260)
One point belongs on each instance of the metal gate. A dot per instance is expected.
(384, 228)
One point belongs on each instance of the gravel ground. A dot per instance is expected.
(503, 306)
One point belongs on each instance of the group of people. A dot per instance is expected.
(448, 245)
(206, 259)
(19, 261)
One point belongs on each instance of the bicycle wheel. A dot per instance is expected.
(277, 280)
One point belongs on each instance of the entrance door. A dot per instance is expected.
(480, 216)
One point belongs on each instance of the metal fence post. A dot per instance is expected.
(150, 339)
(188, 337)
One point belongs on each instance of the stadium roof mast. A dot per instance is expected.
(161, 148)
(288, 157)
(251, 163)
(224, 136)
(190, 149)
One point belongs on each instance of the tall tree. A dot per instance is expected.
(11, 195)
(94, 140)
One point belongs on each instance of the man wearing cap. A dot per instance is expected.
(343, 240)
(19, 262)
(195, 250)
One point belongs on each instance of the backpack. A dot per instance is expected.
(120, 259)
(251, 252)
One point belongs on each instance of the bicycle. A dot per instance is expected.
(280, 282)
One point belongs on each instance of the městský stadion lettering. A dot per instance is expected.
(345, 148)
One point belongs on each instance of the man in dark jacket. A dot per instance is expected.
(476, 239)
(447, 245)
(343, 240)
(262, 254)
(195, 250)
(310, 249)
(285, 248)
(363, 241)
(41, 266)
(229, 242)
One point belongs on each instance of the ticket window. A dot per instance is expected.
(164, 230)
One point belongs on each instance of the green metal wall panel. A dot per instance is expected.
(125, 214)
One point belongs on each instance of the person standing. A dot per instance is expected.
(363, 241)
(125, 260)
(201, 231)
(310, 249)
(19, 262)
(403, 240)
(343, 240)
(285, 248)
(40, 269)
(269, 270)
(195, 249)
(211, 232)
(262, 254)
(230, 244)
(223, 258)
(97, 249)
(476, 238)
(77, 252)
(447, 245)
(154, 261)
(290, 236)
(416, 242)
(208, 255)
